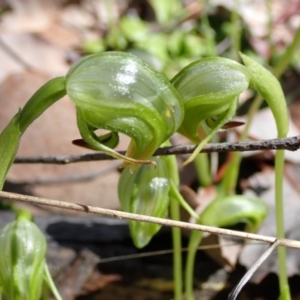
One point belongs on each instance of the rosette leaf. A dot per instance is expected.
(209, 88)
(145, 192)
(234, 209)
(119, 92)
(224, 212)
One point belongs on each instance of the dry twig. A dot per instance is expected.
(142, 218)
(291, 144)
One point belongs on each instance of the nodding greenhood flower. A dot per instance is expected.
(145, 192)
(209, 88)
(23, 269)
(119, 92)
(113, 91)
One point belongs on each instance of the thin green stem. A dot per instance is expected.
(177, 259)
(172, 167)
(193, 245)
(195, 240)
(282, 127)
(203, 169)
(42, 99)
(230, 180)
(174, 193)
(283, 279)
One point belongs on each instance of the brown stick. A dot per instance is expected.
(291, 144)
(142, 218)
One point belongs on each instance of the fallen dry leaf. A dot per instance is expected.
(251, 252)
(98, 281)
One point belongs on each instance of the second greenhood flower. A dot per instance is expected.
(209, 88)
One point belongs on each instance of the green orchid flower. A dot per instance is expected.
(120, 93)
(113, 91)
(209, 89)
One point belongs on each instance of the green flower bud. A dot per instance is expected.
(22, 260)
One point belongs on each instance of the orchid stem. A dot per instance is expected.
(195, 240)
(283, 278)
(177, 259)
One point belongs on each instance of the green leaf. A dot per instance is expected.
(49, 93)
(119, 92)
(9, 143)
(134, 29)
(157, 46)
(194, 45)
(176, 43)
(233, 209)
(93, 46)
(41, 100)
(145, 192)
(115, 39)
(165, 11)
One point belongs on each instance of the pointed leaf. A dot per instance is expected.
(9, 143)
(234, 209)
